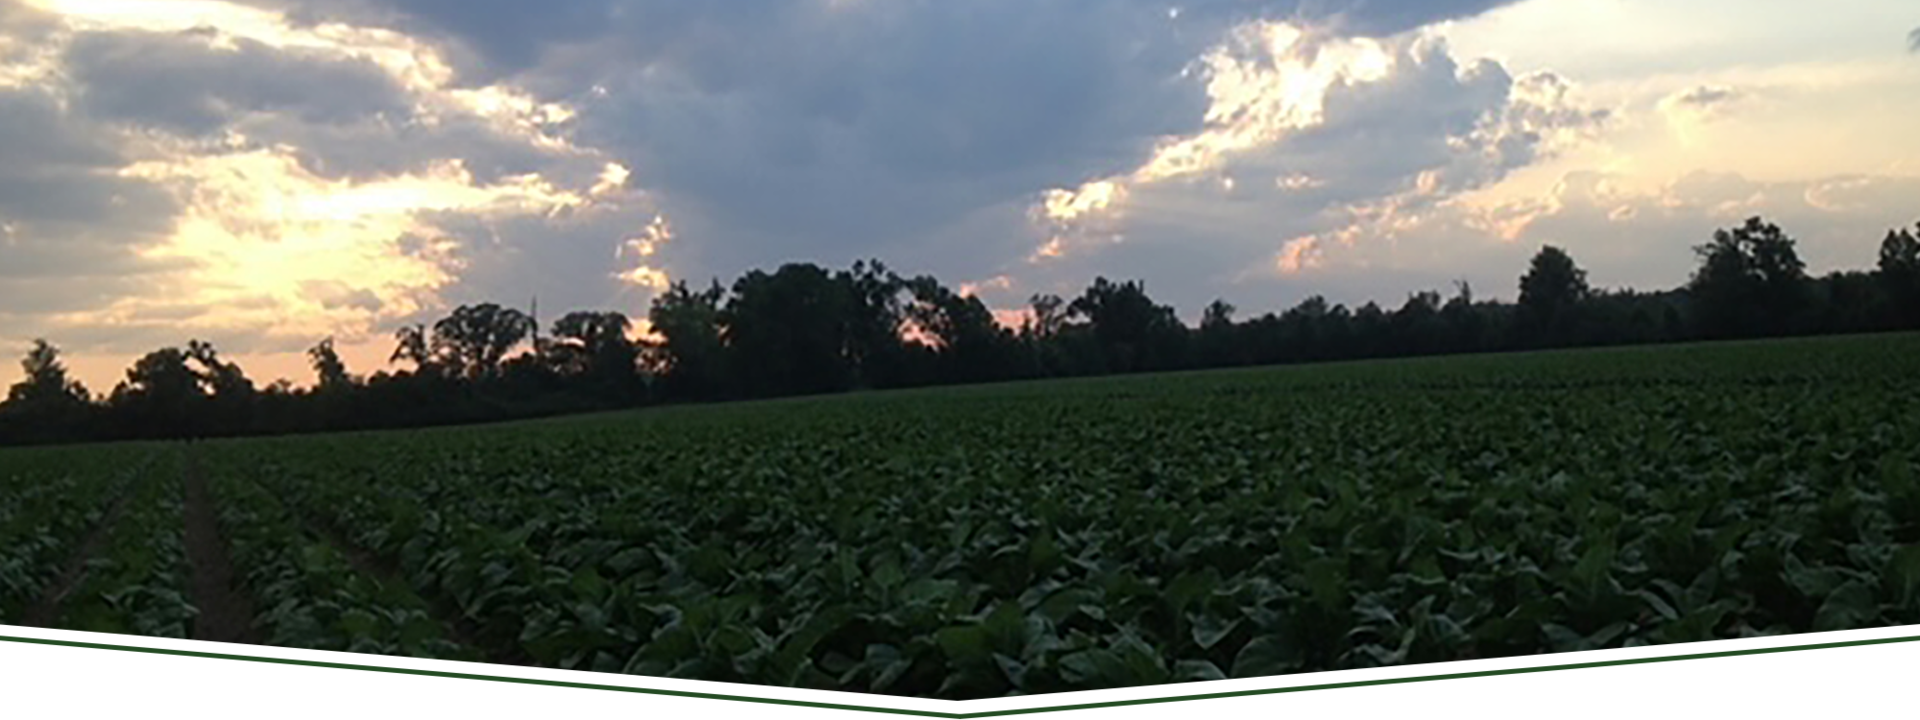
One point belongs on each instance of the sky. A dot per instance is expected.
(263, 174)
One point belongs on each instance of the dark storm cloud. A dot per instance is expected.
(511, 35)
(912, 130)
(800, 128)
(63, 210)
(181, 83)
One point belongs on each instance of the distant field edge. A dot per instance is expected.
(24, 640)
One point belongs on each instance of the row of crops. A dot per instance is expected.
(307, 592)
(135, 581)
(50, 500)
(1042, 537)
(1045, 537)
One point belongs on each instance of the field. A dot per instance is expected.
(1035, 537)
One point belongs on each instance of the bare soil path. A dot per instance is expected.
(226, 613)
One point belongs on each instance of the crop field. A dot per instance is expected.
(1035, 537)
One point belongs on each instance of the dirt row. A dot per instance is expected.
(225, 609)
(235, 611)
(226, 613)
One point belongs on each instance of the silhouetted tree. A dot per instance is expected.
(593, 348)
(1048, 314)
(967, 343)
(47, 405)
(1219, 341)
(805, 329)
(475, 338)
(226, 386)
(1133, 333)
(47, 383)
(1417, 328)
(412, 345)
(1040, 335)
(690, 355)
(161, 397)
(1853, 302)
(874, 314)
(1750, 282)
(786, 332)
(1550, 295)
(1899, 276)
(1301, 329)
(586, 341)
(327, 366)
(1466, 328)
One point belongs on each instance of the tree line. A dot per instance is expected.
(803, 329)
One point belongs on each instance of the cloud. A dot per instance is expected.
(1319, 145)
(1628, 235)
(1703, 97)
(189, 84)
(840, 127)
(231, 175)
(1623, 233)
(1688, 111)
(504, 37)
(335, 295)
(72, 231)
(290, 169)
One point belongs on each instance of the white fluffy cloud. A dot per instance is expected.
(1316, 143)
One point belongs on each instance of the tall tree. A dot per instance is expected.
(475, 338)
(970, 346)
(595, 347)
(874, 316)
(230, 391)
(787, 332)
(1133, 332)
(1040, 334)
(412, 345)
(1465, 327)
(582, 337)
(690, 355)
(327, 366)
(47, 405)
(1048, 314)
(1750, 281)
(1550, 295)
(161, 397)
(47, 384)
(1219, 344)
(1416, 326)
(1899, 276)
(1302, 327)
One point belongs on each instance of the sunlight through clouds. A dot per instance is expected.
(1299, 253)
(657, 233)
(415, 65)
(1267, 80)
(274, 251)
